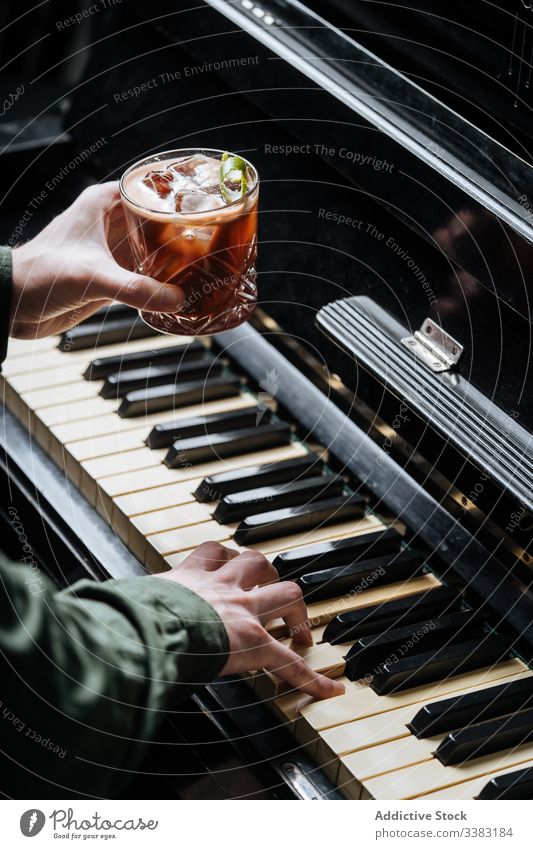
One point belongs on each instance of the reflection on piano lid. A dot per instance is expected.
(441, 160)
(475, 59)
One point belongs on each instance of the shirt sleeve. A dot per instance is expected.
(5, 298)
(87, 673)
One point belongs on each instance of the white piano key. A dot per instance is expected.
(361, 701)
(120, 435)
(24, 347)
(55, 396)
(171, 542)
(469, 789)
(50, 358)
(372, 731)
(173, 558)
(88, 461)
(288, 706)
(76, 411)
(117, 464)
(45, 379)
(110, 423)
(343, 529)
(321, 612)
(94, 448)
(136, 480)
(418, 779)
(182, 539)
(144, 528)
(177, 516)
(146, 501)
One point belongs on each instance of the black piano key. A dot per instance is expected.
(158, 398)
(102, 367)
(94, 334)
(109, 313)
(291, 520)
(163, 435)
(310, 558)
(390, 614)
(424, 668)
(513, 785)
(456, 712)
(375, 572)
(368, 654)
(215, 487)
(485, 738)
(120, 383)
(112, 311)
(212, 446)
(239, 505)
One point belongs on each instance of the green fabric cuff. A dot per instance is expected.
(187, 641)
(207, 639)
(5, 298)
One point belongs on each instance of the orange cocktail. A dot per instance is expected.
(192, 222)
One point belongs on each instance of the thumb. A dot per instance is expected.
(137, 291)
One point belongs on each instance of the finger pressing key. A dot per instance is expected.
(290, 667)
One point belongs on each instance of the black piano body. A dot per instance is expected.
(396, 245)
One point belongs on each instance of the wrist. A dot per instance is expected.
(20, 266)
(6, 297)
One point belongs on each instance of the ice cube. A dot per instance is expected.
(207, 175)
(182, 183)
(186, 166)
(197, 202)
(159, 181)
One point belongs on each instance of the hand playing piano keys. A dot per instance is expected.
(245, 591)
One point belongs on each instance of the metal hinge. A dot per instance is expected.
(436, 348)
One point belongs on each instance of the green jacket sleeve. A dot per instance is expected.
(87, 673)
(5, 299)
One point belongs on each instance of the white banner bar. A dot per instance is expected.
(266, 825)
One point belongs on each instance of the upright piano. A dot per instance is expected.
(369, 429)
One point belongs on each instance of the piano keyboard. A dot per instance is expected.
(169, 444)
(94, 406)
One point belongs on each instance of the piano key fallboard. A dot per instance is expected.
(171, 445)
